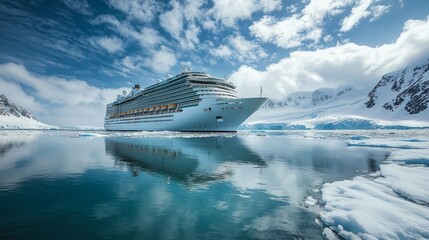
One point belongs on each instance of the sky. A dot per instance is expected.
(64, 60)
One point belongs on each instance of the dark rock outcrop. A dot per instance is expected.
(408, 88)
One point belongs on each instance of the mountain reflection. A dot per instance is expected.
(188, 160)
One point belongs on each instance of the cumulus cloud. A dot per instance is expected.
(131, 63)
(239, 48)
(181, 22)
(347, 63)
(172, 21)
(230, 11)
(362, 10)
(16, 94)
(67, 102)
(300, 27)
(222, 51)
(161, 61)
(110, 44)
(307, 25)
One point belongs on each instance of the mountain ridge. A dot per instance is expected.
(13, 116)
(399, 98)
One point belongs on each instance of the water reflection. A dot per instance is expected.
(183, 188)
(35, 155)
(188, 160)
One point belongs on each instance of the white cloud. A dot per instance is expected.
(16, 94)
(300, 27)
(180, 22)
(229, 11)
(131, 63)
(378, 11)
(146, 37)
(172, 21)
(79, 6)
(161, 61)
(307, 25)
(246, 50)
(110, 44)
(362, 10)
(67, 102)
(348, 63)
(238, 48)
(141, 10)
(222, 51)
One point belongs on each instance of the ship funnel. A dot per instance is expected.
(137, 86)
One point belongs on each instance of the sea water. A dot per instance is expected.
(168, 185)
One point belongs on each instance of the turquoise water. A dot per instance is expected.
(57, 185)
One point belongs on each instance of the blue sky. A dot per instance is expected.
(64, 60)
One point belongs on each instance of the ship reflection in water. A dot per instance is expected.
(56, 185)
(187, 160)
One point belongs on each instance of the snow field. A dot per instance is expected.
(12, 122)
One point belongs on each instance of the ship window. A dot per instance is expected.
(219, 118)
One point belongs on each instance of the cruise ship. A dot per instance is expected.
(189, 101)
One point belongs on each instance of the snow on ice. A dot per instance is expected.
(409, 182)
(392, 205)
(410, 156)
(390, 143)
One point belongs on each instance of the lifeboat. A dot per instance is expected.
(157, 108)
(164, 107)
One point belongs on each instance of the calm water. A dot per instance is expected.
(57, 185)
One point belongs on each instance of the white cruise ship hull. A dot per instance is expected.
(209, 115)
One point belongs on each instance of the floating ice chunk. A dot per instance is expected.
(361, 208)
(409, 182)
(329, 234)
(389, 143)
(310, 201)
(91, 135)
(359, 137)
(411, 156)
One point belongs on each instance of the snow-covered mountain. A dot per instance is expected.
(400, 99)
(13, 116)
(402, 90)
(320, 97)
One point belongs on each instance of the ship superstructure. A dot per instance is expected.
(190, 101)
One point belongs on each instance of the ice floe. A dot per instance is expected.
(389, 143)
(91, 135)
(411, 156)
(410, 182)
(364, 209)
(310, 201)
(392, 204)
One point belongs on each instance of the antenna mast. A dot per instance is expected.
(260, 93)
